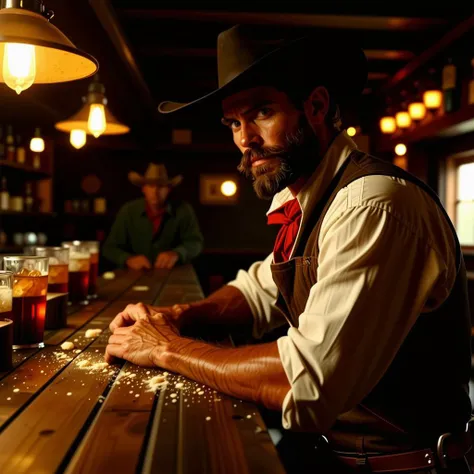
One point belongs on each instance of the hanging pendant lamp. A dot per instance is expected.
(34, 51)
(94, 117)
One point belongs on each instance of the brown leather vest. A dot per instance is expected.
(424, 392)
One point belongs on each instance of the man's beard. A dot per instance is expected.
(296, 158)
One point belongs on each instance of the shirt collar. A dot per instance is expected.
(341, 147)
(168, 208)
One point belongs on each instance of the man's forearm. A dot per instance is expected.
(253, 373)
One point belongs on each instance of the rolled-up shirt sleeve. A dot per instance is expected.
(260, 291)
(375, 274)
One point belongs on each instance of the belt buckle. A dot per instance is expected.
(442, 457)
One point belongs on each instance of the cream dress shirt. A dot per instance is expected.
(386, 254)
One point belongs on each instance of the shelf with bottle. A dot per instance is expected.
(17, 155)
(449, 110)
(22, 199)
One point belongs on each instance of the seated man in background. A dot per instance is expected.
(154, 231)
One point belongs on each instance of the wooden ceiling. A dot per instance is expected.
(151, 51)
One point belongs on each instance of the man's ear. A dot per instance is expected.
(316, 106)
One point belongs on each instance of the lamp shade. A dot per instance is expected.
(56, 57)
(433, 99)
(403, 119)
(417, 110)
(80, 121)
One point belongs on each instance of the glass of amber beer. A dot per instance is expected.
(6, 286)
(58, 275)
(93, 246)
(79, 267)
(30, 285)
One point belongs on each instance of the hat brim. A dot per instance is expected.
(345, 71)
(139, 180)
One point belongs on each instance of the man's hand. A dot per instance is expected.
(136, 312)
(138, 262)
(144, 343)
(166, 259)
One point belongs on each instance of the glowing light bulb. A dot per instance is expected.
(97, 123)
(433, 99)
(77, 138)
(388, 124)
(403, 119)
(351, 131)
(417, 110)
(19, 66)
(37, 144)
(400, 149)
(228, 188)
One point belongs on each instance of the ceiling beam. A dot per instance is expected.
(424, 58)
(110, 23)
(357, 22)
(380, 54)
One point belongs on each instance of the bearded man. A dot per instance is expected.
(366, 273)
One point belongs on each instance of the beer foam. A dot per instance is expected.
(6, 295)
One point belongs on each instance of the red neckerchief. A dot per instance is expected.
(156, 218)
(289, 216)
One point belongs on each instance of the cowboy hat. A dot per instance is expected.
(154, 174)
(243, 62)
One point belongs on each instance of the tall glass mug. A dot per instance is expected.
(30, 285)
(6, 287)
(79, 267)
(58, 277)
(93, 246)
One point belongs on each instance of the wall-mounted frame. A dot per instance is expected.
(213, 189)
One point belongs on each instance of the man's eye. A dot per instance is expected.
(234, 124)
(263, 112)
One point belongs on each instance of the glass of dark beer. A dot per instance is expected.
(58, 275)
(79, 268)
(30, 285)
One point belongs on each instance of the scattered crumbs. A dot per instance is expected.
(9, 398)
(91, 333)
(137, 395)
(133, 375)
(185, 400)
(173, 395)
(248, 417)
(77, 351)
(131, 391)
(165, 374)
(156, 382)
(101, 399)
(97, 350)
(42, 372)
(75, 340)
(148, 372)
(69, 394)
(104, 371)
(16, 390)
(208, 418)
(201, 392)
(179, 385)
(67, 346)
(83, 363)
(174, 400)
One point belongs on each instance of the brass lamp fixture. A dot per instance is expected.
(93, 118)
(387, 123)
(33, 51)
(417, 109)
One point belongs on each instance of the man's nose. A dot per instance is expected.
(249, 138)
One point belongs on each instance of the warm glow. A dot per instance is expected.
(77, 138)
(228, 188)
(351, 131)
(19, 66)
(403, 119)
(387, 125)
(401, 162)
(417, 110)
(37, 144)
(433, 99)
(400, 149)
(97, 123)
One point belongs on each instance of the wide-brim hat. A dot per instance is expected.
(243, 62)
(154, 174)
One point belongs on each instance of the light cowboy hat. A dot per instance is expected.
(154, 174)
(244, 62)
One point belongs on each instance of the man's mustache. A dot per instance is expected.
(254, 154)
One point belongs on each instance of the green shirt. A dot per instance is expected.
(132, 233)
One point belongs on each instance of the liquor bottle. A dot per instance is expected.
(20, 151)
(36, 161)
(29, 201)
(449, 87)
(471, 85)
(4, 195)
(2, 144)
(10, 142)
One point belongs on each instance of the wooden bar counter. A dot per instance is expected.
(66, 411)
